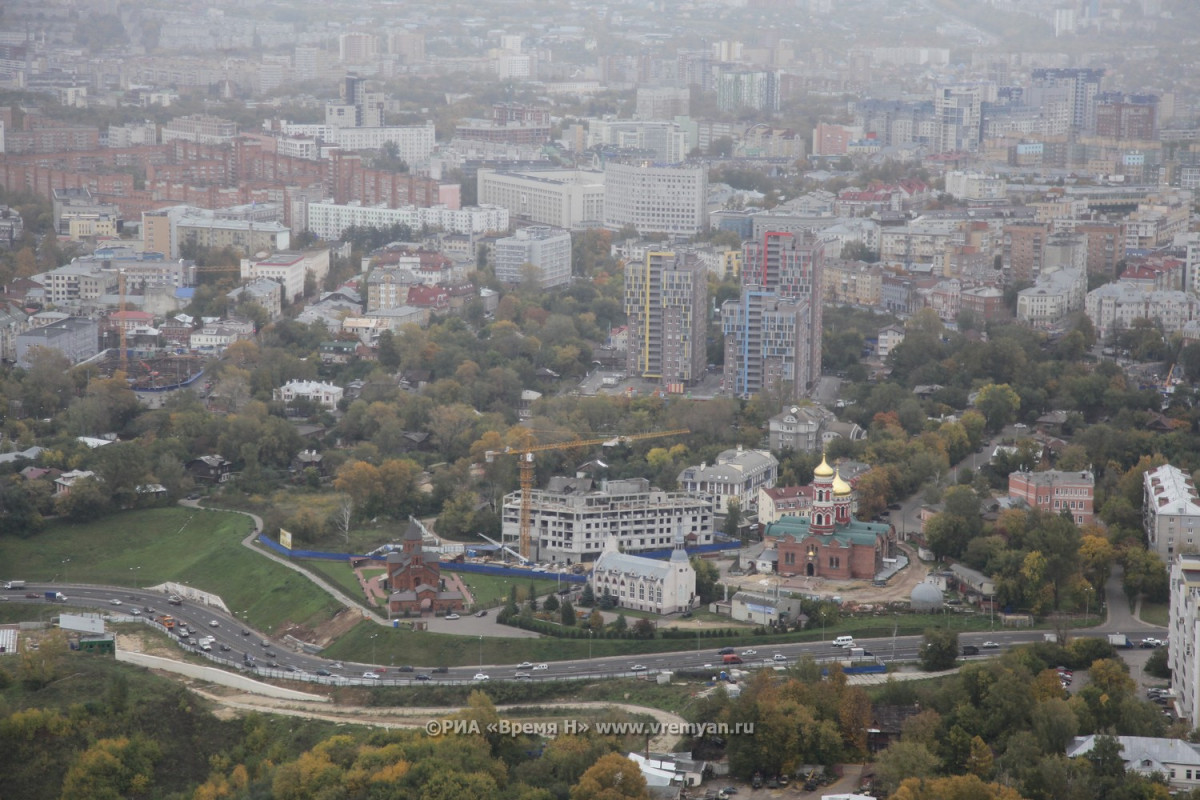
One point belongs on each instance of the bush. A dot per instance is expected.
(1156, 665)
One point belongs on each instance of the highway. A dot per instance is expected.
(273, 659)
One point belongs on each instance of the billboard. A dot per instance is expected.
(285, 538)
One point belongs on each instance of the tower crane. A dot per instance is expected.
(525, 457)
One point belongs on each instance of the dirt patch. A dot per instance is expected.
(327, 632)
(141, 642)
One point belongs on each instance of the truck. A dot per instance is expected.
(1119, 640)
(857, 653)
(11, 585)
(167, 621)
(731, 659)
(175, 600)
(56, 597)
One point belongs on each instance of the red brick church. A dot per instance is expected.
(829, 542)
(414, 578)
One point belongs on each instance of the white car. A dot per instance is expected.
(541, 666)
(135, 612)
(115, 601)
(990, 645)
(749, 653)
(479, 676)
(374, 676)
(779, 657)
(212, 623)
(453, 616)
(525, 665)
(638, 668)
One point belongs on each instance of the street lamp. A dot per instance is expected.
(373, 637)
(481, 652)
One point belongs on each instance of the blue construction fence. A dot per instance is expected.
(491, 569)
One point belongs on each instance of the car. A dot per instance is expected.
(779, 657)
(525, 665)
(263, 643)
(225, 648)
(115, 602)
(289, 668)
(970, 650)
(522, 674)
(134, 612)
(541, 666)
(245, 632)
(422, 676)
(453, 616)
(726, 651)
(638, 668)
(440, 670)
(337, 665)
(481, 676)
(990, 645)
(32, 595)
(324, 673)
(894, 506)
(1020, 426)
(193, 496)
(885, 513)
(481, 612)
(749, 653)
(269, 653)
(273, 665)
(212, 623)
(371, 676)
(730, 790)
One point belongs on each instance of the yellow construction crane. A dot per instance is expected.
(525, 453)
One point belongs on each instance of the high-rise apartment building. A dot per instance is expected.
(1128, 117)
(1081, 87)
(958, 116)
(656, 199)
(545, 248)
(768, 343)
(358, 48)
(1023, 248)
(666, 301)
(662, 102)
(563, 198)
(756, 89)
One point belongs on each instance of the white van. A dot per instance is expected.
(844, 641)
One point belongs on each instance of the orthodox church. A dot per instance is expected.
(829, 542)
(646, 584)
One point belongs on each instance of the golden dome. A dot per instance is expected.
(840, 487)
(823, 469)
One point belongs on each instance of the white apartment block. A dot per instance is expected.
(413, 143)
(1170, 512)
(1056, 295)
(564, 198)
(289, 269)
(330, 220)
(571, 520)
(1183, 637)
(1116, 305)
(199, 128)
(654, 199)
(548, 249)
(326, 395)
(976, 186)
(737, 475)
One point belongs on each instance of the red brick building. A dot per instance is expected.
(829, 542)
(1056, 492)
(414, 578)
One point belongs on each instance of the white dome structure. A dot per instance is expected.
(926, 597)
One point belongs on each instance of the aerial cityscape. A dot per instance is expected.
(573, 400)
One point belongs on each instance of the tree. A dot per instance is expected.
(587, 597)
(621, 624)
(567, 614)
(955, 787)
(613, 777)
(999, 404)
(901, 760)
(87, 500)
(733, 520)
(707, 576)
(854, 717)
(643, 629)
(939, 650)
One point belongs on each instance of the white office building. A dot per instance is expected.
(413, 143)
(1056, 295)
(330, 220)
(1170, 511)
(548, 249)
(564, 198)
(656, 199)
(572, 518)
(326, 395)
(1116, 305)
(737, 475)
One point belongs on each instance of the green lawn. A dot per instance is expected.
(1155, 613)
(340, 574)
(197, 547)
(492, 590)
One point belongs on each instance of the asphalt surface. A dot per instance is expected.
(242, 640)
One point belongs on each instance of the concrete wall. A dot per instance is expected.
(218, 676)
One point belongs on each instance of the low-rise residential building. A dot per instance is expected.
(783, 501)
(326, 395)
(797, 428)
(889, 337)
(547, 249)
(1116, 305)
(1170, 511)
(1176, 760)
(288, 269)
(1055, 295)
(76, 338)
(763, 609)
(1056, 491)
(736, 475)
(262, 291)
(330, 220)
(64, 482)
(646, 584)
(572, 518)
(210, 469)
(215, 337)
